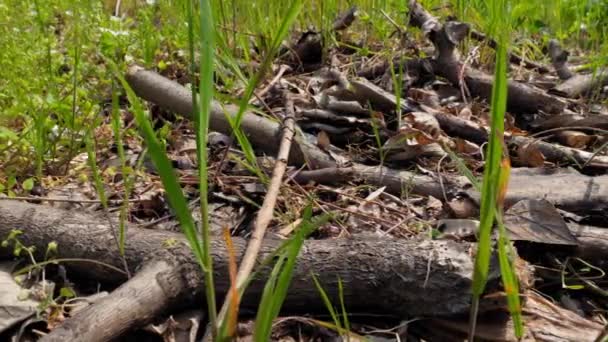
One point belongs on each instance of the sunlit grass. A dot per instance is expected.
(495, 181)
(206, 89)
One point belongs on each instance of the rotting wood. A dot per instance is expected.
(540, 317)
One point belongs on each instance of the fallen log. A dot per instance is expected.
(379, 275)
(582, 85)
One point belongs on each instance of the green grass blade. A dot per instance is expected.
(327, 302)
(463, 168)
(116, 129)
(509, 279)
(163, 166)
(206, 89)
(491, 177)
(492, 170)
(235, 122)
(278, 283)
(343, 306)
(92, 159)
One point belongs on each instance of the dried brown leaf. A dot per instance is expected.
(574, 139)
(424, 122)
(323, 140)
(530, 155)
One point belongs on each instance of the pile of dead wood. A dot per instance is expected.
(417, 278)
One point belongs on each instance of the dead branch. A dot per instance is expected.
(522, 98)
(266, 212)
(559, 59)
(264, 136)
(513, 58)
(149, 294)
(574, 85)
(563, 155)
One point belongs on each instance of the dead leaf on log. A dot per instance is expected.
(530, 155)
(323, 140)
(465, 147)
(424, 122)
(537, 221)
(574, 139)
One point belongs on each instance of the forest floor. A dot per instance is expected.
(389, 141)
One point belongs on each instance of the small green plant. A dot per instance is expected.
(235, 122)
(125, 169)
(202, 114)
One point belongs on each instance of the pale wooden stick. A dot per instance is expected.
(266, 211)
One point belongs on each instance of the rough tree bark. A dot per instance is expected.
(391, 277)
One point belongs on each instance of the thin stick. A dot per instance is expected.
(68, 200)
(266, 211)
(282, 69)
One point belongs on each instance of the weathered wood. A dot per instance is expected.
(559, 59)
(522, 98)
(543, 322)
(143, 298)
(390, 277)
(582, 85)
(264, 135)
